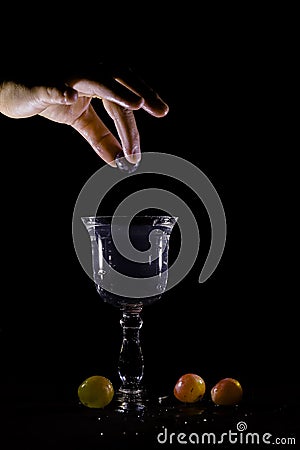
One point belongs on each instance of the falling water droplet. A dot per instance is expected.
(124, 165)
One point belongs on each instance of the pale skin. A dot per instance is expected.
(71, 104)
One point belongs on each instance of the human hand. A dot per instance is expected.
(122, 92)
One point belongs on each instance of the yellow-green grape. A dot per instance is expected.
(96, 392)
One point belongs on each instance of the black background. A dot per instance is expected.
(226, 85)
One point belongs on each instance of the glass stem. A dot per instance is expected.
(131, 361)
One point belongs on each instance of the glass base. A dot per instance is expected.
(126, 401)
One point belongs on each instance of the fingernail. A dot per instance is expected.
(134, 158)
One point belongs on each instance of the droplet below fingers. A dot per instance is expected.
(124, 165)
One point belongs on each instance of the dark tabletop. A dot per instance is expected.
(63, 423)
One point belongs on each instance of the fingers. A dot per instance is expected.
(125, 124)
(122, 86)
(97, 135)
(153, 103)
(122, 92)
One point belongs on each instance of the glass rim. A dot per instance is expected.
(96, 219)
(123, 216)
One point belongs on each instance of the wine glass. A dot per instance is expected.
(130, 270)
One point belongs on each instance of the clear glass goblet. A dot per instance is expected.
(130, 270)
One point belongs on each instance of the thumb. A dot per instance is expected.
(61, 96)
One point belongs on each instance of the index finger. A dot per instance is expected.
(109, 90)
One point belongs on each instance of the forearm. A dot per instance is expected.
(3, 97)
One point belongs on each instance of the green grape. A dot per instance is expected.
(96, 392)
